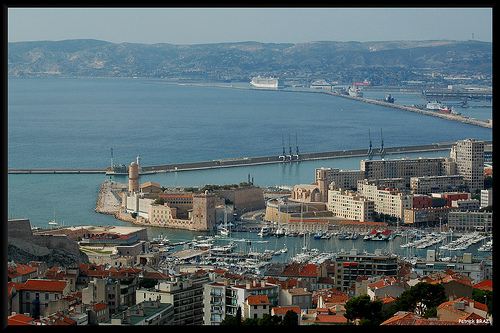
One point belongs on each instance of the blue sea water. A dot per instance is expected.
(73, 123)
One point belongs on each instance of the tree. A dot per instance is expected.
(362, 307)
(483, 296)
(291, 318)
(238, 316)
(421, 297)
(159, 201)
(228, 321)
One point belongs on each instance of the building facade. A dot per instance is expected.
(428, 184)
(470, 220)
(350, 265)
(185, 294)
(407, 168)
(307, 225)
(387, 201)
(224, 298)
(346, 179)
(469, 156)
(350, 205)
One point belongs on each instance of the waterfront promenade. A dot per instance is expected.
(245, 161)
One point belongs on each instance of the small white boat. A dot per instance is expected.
(224, 231)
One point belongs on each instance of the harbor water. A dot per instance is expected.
(73, 123)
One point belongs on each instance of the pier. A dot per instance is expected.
(246, 161)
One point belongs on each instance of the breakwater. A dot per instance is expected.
(438, 114)
(245, 161)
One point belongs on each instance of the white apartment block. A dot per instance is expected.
(386, 201)
(350, 205)
(486, 198)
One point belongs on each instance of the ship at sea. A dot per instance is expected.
(437, 106)
(355, 92)
(389, 99)
(267, 82)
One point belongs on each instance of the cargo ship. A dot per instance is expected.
(267, 82)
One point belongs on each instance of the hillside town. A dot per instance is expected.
(118, 275)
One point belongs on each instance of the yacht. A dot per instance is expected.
(264, 231)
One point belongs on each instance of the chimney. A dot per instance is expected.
(263, 283)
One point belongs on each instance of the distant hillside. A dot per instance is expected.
(240, 61)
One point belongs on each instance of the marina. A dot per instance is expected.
(249, 253)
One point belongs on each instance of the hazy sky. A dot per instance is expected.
(278, 25)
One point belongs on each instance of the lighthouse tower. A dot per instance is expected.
(133, 177)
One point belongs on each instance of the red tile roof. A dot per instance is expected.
(19, 319)
(324, 318)
(45, 285)
(16, 270)
(412, 319)
(284, 309)
(257, 300)
(467, 301)
(484, 285)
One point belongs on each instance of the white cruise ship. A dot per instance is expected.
(355, 92)
(267, 82)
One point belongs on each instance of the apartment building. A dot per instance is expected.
(408, 167)
(469, 157)
(185, 294)
(350, 265)
(346, 179)
(36, 294)
(386, 201)
(423, 217)
(350, 205)
(458, 220)
(428, 184)
(486, 198)
(224, 298)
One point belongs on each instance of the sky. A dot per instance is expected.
(267, 25)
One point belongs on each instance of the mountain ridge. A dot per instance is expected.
(240, 60)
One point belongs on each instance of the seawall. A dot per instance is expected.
(245, 161)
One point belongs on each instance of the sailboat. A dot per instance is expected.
(53, 222)
(224, 230)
